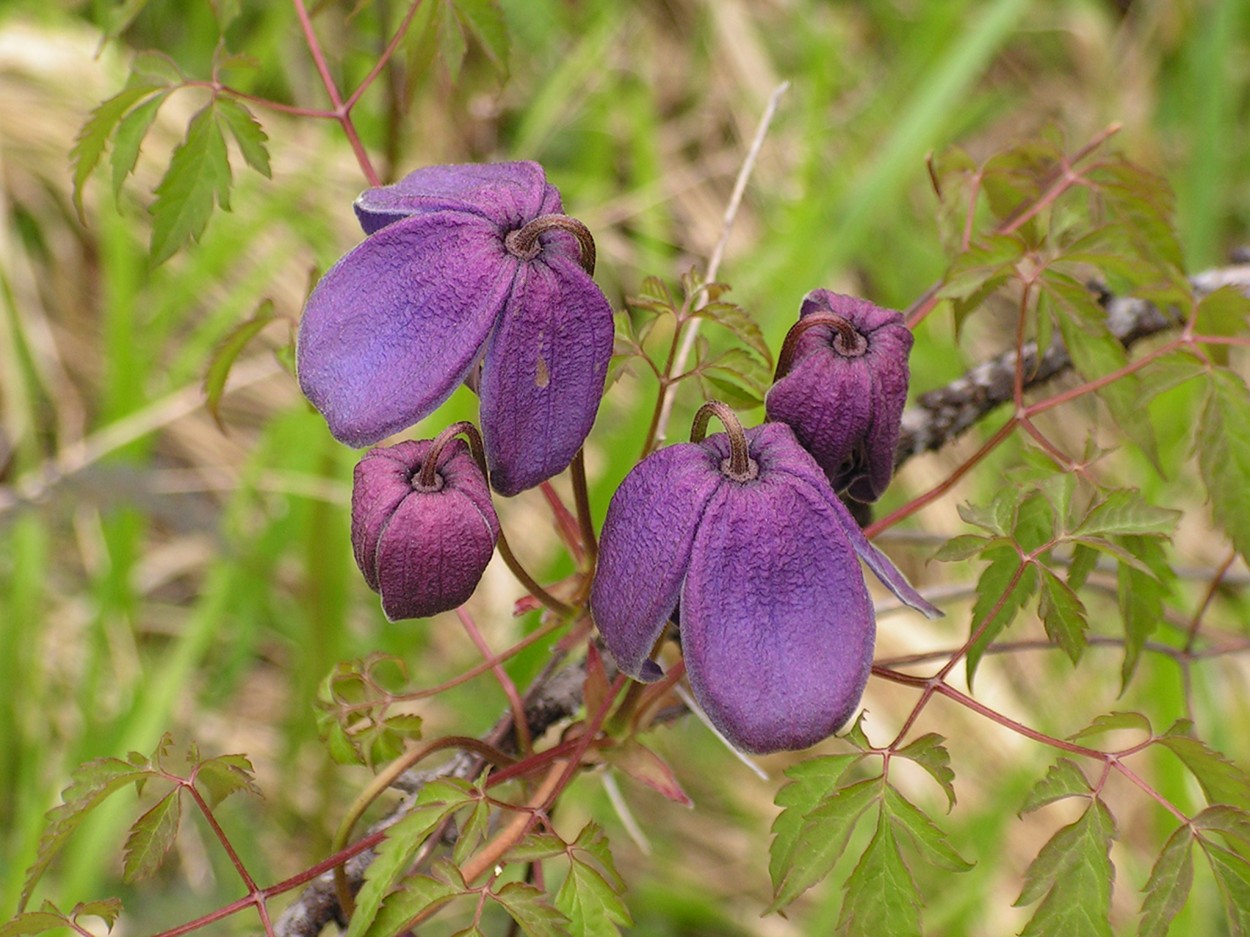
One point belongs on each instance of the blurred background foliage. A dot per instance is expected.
(158, 573)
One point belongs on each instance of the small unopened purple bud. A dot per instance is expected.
(841, 385)
(422, 543)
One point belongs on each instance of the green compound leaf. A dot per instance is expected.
(225, 775)
(129, 138)
(418, 894)
(1231, 822)
(881, 896)
(247, 133)
(227, 353)
(437, 801)
(963, 547)
(93, 138)
(822, 839)
(929, 752)
(921, 832)
(1125, 511)
(590, 898)
(1140, 597)
(1111, 722)
(1232, 875)
(197, 179)
(1074, 873)
(91, 784)
(1169, 884)
(1222, 781)
(151, 837)
(531, 910)
(1063, 779)
(1063, 614)
(810, 782)
(1006, 575)
(1223, 446)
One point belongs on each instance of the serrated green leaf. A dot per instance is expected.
(91, 784)
(1074, 873)
(962, 547)
(1169, 884)
(485, 20)
(1221, 781)
(197, 179)
(1006, 575)
(227, 353)
(225, 12)
(437, 801)
(92, 139)
(1125, 511)
(590, 903)
(1063, 779)
(1169, 371)
(452, 44)
(1095, 352)
(1113, 721)
(151, 837)
(538, 846)
(1221, 313)
(593, 841)
(990, 262)
(728, 390)
(530, 909)
(1083, 562)
(929, 752)
(34, 922)
(473, 829)
(1063, 614)
(128, 139)
(1140, 596)
(1223, 445)
(418, 894)
(1231, 822)
(810, 782)
(247, 132)
(821, 839)
(923, 833)
(1232, 875)
(1114, 549)
(741, 324)
(107, 910)
(881, 896)
(225, 775)
(998, 517)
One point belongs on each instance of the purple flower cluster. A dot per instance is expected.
(472, 274)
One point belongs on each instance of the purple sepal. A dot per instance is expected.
(400, 321)
(423, 551)
(846, 409)
(777, 626)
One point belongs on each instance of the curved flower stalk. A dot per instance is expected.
(423, 526)
(744, 532)
(464, 267)
(841, 384)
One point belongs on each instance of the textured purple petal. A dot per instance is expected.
(508, 194)
(644, 549)
(394, 326)
(382, 479)
(435, 546)
(777, 627)
(543, 372)
(432, 554)
(846, 411)
(784, 455)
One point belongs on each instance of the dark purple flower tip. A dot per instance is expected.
(841, 386)
(776, 623)
(423, 548)
(438, 289)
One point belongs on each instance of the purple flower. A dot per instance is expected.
(423, 526)
(464, 265)
(841, 385)
(745, 533)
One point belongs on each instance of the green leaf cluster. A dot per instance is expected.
(353, 712)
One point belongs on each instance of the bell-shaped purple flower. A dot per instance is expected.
(423, 526)
(841, 384)
(463, 266)
(743, 530)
